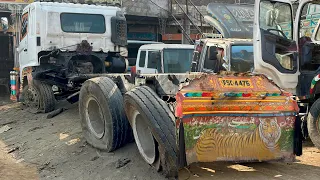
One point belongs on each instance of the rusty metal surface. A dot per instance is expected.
(236, 118)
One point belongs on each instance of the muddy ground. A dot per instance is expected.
(39, 148)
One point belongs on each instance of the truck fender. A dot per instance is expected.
(314, 87)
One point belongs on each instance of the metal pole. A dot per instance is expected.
(186, 24)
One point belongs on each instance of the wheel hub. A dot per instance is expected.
(32, 98)
(144, 138)
(95, 118)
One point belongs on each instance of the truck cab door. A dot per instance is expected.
(141, 61)
(275, 48)
(33, 41)
(153, 62)
(23, 44)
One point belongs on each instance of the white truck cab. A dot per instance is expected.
(164, 58)
(287, 50)
(62, 43)
(233, 54)
(279, 40)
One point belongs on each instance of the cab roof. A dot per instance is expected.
(166, 46)
(227, 41)
(56, 5)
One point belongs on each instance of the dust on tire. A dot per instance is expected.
(117, 131)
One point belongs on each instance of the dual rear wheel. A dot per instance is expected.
(106, 117)
(39, 97)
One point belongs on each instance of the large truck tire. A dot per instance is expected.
(314, 123)
(102, 115)
(39, 96)
(153, 128)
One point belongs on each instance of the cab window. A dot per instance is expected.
(213, 59)
(154, 60)
(142, 58)
(24, 26)
(276, 18)
(309, 19)
(241, 58)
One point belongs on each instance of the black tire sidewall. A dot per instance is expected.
(313, 121)
(131, 104)
(46, 95)
(91, 89)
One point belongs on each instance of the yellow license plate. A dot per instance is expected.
(235, 83)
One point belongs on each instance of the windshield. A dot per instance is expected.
(242, 58)
(83, 23)
(177, 60)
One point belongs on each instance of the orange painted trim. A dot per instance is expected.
(234, 112)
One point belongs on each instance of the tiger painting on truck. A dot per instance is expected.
(261, 144)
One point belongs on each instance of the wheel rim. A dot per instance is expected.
(144, 138)
(95, 118)
(31, 98)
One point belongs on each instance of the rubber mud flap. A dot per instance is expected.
(298, 137)
(182, 147)
(160, 120)
(102, 115)
(313, 121)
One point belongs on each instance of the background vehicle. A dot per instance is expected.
(237, 55)
(133, 49)
(6, 53)
(289, 56)
(164, 58)
(92, 40)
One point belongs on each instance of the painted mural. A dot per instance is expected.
(236, 118)
(224, 138)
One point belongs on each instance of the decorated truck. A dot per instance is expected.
(174, 118)
(285, 52)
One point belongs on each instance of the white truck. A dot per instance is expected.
(164, 58)
(60, 42)
(237, 55)
(284, 52)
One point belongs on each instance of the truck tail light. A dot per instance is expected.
(133, 70)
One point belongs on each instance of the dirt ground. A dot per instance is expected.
(39, 148)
